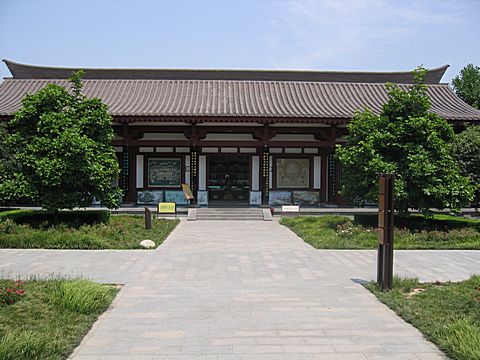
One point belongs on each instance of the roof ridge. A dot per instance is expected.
(26, 71)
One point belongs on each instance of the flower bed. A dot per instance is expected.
(341, 232)
(121, 232)
(10, 294)
(47, 319)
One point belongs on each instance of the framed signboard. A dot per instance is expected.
(306, 197)
(202, 197)
(176, 196)
(187, 191)
(164, 172)
(167, 208)
(255, 197)
(145, 197)
(293, 173)
(280, 197)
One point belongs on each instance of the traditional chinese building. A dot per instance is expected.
(235, 136)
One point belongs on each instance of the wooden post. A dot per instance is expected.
(148, 218)
(386, 213)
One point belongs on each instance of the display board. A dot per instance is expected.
(293, 173)
(164, 172)
(167, 208)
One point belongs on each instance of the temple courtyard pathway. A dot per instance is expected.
(244, 290)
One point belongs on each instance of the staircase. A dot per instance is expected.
(222, 213)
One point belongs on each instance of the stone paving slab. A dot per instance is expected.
(106, 266)
(121, 266)
(244, 290)
(426, 265)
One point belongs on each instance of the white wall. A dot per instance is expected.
(255, 173)
(202, 172)
(139, 172)
(317, 172)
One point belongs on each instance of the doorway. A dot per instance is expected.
(228, 178)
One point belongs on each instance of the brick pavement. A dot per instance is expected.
(244, 290)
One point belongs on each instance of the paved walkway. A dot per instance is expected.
(244, 290)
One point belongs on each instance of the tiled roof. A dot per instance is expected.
(309, 96)
(311, 101)
(23, 71)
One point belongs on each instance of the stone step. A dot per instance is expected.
(230, 213)
(256, 214)
(228, 209)
(230, 218)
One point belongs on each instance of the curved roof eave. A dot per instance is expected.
(25, 71)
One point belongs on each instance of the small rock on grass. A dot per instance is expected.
(148, 244)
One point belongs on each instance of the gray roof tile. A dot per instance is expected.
(237, 99)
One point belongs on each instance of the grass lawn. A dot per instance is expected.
(340, 232)
(448, 314)
(51, 318)
(121, 232)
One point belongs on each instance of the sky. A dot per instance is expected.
(365, 35)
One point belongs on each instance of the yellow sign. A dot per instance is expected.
(187, 191)
(167, 208)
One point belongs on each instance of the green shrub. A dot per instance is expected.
(417, 222)
(39, 328)
(461, 338)
(329, 221)
(25, 345)
(42, 218)
(8, 226)
(446, 313)
(339, 232)
(82, 296)
(121, 232)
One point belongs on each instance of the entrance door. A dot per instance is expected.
(228, 178)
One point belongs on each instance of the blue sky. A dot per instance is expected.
(362, 35)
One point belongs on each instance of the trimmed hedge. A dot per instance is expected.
(40, 218)
(418, 222)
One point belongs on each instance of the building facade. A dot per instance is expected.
(235, 136)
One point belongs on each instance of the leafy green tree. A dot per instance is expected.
(466, 150)
(63, 150)
(7, 158)
(467, 85)
(409, 141)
